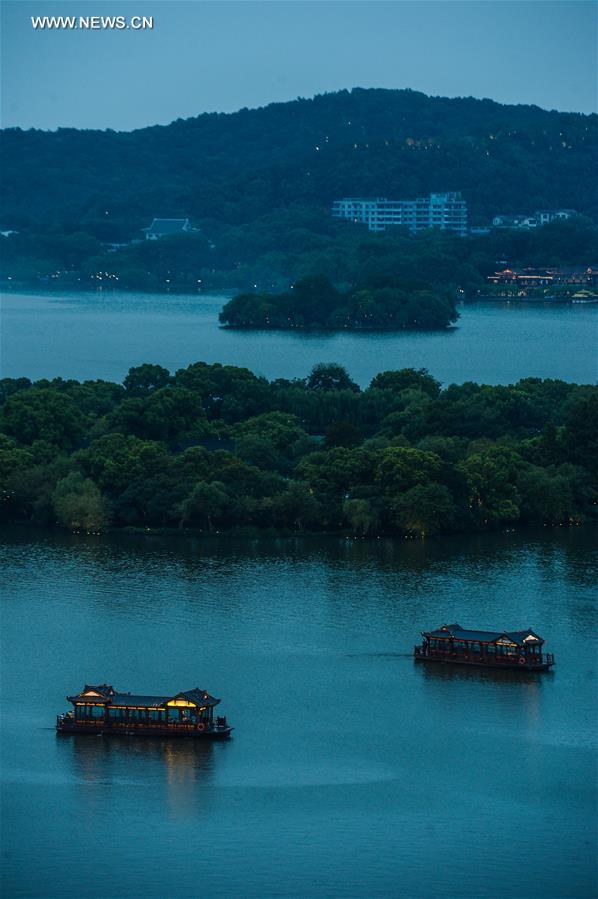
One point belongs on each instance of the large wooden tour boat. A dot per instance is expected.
(500, 649)
(103, 710)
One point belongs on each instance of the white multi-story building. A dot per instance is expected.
(447, 211)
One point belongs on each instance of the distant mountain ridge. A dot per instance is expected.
(235, 168)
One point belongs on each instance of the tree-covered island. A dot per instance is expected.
(316, 303)
(217, 448)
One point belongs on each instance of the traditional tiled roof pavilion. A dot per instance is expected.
(456, 632)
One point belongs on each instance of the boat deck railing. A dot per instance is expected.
(123, 723)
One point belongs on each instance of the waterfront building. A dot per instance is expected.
(167, 227)
(581, 275)
(536, 220)
(447, 211)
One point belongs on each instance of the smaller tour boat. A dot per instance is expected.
(501, 649)
(102, 710)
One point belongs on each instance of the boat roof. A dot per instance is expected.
(105, 694)
(460, 633)
(130, 699)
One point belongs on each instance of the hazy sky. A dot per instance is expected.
(206, 56)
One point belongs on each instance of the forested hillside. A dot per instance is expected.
(237, 168)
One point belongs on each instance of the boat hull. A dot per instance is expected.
(497, 666)
(220, 733)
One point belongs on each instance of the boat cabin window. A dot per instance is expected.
(157, 715)
(83, 712)
(117, 713)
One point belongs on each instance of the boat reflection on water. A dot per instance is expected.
(178, 772)
(89, 754)
(516, 694)
(515, 678)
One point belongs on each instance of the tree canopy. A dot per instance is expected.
(215, 447)
(315, 303)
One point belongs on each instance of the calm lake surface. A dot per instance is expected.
(352, 771)
(101, 335)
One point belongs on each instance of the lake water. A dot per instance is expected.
(352, 771)
(100, 335)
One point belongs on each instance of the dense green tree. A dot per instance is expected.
(115, 460)
(204, 503)
(43, 414)
(171, 414)
(13, 459)
(226, 391)
(296, 507)
(337, 470)
(410, 416)
(273, 440)
(343, 433)
(424, 510)
(450, 449)
(491, 477)
(279, 429)
(145, 379)
(400, 468)
(362, 515)
(546, 496)
(581, 435)
(96, 398)
(330, 376)
(151, 500)
(406, 378)
(79, 505)
(8, 386)
(30, 491)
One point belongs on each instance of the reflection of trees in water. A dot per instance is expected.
(457, 577)
(573, 557)
(189, 556)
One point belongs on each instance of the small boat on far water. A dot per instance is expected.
(489, 649)
(103, 711)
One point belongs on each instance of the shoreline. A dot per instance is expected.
(27, 287)
(255, 533)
